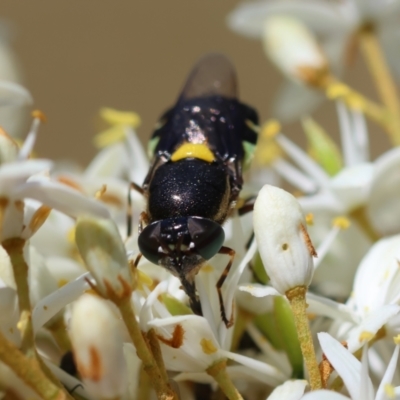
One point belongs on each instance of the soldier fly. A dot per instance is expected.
(199, 148)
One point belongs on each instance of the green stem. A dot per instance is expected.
(144, 388)
(60, 335)
(297, 300)
(28, 369)
(161, 386)
(218, 372)
(383, 80)
(14, 248)
(156, 350)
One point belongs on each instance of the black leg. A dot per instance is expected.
(231, 253)
(247, 206)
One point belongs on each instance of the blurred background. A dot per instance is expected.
(78, 56)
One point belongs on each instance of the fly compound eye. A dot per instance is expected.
(207, 236)
(149, 242)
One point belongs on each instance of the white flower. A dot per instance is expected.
(14, 98)
(97, 344)
(290, 390)
(101, 247)
(361, 188)
(294, 50)
(354, 373)
(283, 241)
(190, 345)
(335, 23)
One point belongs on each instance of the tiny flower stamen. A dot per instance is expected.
(208, 346)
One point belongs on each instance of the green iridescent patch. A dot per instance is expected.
(153, 142)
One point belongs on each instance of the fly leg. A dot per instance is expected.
(247, 206)
(143, 218)
(231, 253)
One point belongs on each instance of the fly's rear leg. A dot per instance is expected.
(231, 253)
(247, 206)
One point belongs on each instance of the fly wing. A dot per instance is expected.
(213, 74)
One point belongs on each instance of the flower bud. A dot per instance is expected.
(284, 245)
(103, 251)
(294, 50)
(97, 345)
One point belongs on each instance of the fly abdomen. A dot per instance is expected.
(189, 187)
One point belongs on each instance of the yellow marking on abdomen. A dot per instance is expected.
(193, 150)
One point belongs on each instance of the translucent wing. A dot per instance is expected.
(213, 74)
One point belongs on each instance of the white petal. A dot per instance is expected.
(382, 207)
(139, 163)
(99, 357)
(294, 101)
(62, 198)
(265, 372)
(52, 304)
(290, 390)
(112, 161)
(329, 308)
(324, 395)
(248, 18)
(352, 185)
(14, 94)
(388, 377)
(304, 161)
(374, 275)
(258, 290)
(370, 326)
(346, 365)
(199, 348)
(291, 46)
(13, 174)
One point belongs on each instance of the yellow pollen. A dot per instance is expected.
(270, 129)
(310, 219)
(389, 391)
(143, 280)
(207, 268)
(396, 340)
(100, 192)
(62, 282)
(208, 346)
(71, 235)
(193, 150)
(39, 115)
(116, 117)
(341, 222)
(267, 151)
(337, 90)
(110, 136)
(365, 336)
(39, 218)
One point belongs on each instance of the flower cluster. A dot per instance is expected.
(310, 307)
